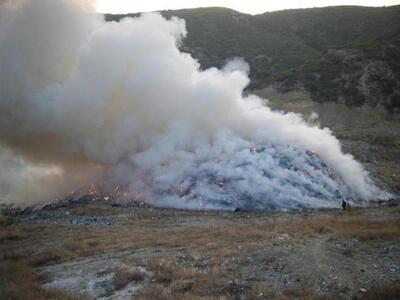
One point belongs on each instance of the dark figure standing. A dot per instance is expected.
(344, 205)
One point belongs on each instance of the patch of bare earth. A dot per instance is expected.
(168, 254)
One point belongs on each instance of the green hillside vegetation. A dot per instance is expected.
(345, 54)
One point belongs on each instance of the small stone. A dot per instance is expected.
(363, 290)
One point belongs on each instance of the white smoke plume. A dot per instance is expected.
(117, 104)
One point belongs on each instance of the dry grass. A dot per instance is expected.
(160, 292)
(305, 294)
(44, 258)
(143, 233)
(124, 276)
(175, 281)
(358, 227)
(95, 210)
(5, 221)
(181, 282)
(382, 293)
(11, 233)
(262, 290)
(166, 270)
(249, 236)
(155, 292)
(234, 234)
(18, 281)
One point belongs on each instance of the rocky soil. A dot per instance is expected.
(104, 252)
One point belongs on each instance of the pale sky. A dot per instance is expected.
(246, 6)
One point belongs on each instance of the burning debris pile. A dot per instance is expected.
(241, 182)
(117, 108)
(257, 178)
(251, 178)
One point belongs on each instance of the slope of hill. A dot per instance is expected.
(344, 54)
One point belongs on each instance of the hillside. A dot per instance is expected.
(344, 54)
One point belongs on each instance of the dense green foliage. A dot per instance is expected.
(348, 54)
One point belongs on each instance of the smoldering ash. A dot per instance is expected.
(116, 109)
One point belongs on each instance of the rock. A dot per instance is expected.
(283, 236)
(363, 290)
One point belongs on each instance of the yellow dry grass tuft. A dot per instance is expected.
(18, 281)
(124, 276)
(166, 270)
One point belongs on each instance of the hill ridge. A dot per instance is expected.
(345, 54)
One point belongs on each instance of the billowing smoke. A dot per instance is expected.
(86, 102)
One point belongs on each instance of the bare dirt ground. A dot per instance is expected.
(104, 252)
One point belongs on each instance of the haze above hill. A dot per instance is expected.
(346, 54)
(252, 7)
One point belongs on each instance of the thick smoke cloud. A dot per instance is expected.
(85, 101)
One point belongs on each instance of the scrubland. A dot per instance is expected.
(168, 254)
